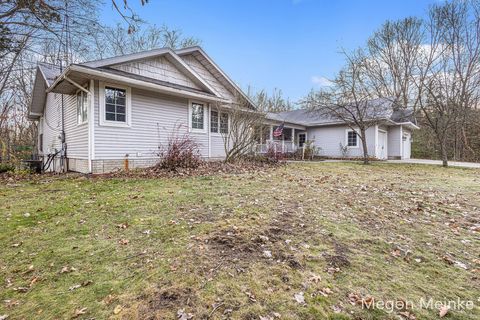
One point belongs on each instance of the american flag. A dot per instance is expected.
(279, 131)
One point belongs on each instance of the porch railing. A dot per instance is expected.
(277, 146)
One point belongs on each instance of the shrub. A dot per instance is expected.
(6, 167)
(181, 151)
(274, 154)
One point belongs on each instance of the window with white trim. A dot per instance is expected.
(214, 121)
(115, 104)
(218, 122)
(82, 107)
(352, 138)
(223, 122)
(198, 116)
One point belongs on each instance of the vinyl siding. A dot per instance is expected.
(76, 136)
(394, 142)
(157, 68)
(155, 117)
(329, 138)
(51, 124)
(207, 75)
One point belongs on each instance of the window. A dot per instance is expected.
(40, 143)
(301, 139)
(82, 106)
(352, 138)
(115, 104)
(218, 122)
(214, 121)
(198, 115)
(224, 123)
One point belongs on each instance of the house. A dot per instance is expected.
(388, 137)
(93, 117)
(102, 115)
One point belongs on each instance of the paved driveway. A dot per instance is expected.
(438, 162)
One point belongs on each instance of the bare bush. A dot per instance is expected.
(181, 151)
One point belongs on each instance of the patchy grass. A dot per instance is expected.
(242, 246)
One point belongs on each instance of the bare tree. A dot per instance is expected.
(238, 127)
(274, 102)
(432, 66)
(350, 99)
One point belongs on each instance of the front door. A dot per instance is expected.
(302, 137)
(382, 145)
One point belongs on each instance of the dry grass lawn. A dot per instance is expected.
(303, 241)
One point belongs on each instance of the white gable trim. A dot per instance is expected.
(233, 84)
(155, 53)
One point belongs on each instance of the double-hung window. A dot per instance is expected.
(115, 104)
(214, 121)
(218, 122)
(82, 107)
(352, 138)
(197, 116)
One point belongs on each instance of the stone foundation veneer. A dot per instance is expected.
(109, 165)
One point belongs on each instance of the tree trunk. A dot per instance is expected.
(444, 154)
(364, 146)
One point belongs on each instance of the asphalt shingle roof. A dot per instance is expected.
(382, 108)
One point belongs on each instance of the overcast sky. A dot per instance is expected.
(292, 45)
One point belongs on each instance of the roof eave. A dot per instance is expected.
(232, 83)
(134, 83)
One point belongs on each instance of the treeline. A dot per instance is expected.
(431, 65)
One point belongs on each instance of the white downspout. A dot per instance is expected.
(91, 126)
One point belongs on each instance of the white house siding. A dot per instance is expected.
(51, 122)
(394, 142)
(157, 68)
(207, 75)
(329, 138)
(155, 117)
(218, 148)
(76, 137)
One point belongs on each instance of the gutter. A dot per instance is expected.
(132, 82)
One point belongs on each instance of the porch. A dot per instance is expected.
(289, 141)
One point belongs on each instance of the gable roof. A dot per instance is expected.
(219, 73)
(167, 52)
(384, 109)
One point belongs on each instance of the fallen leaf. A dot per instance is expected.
(118, 308)
(182, 315)
(21, 289)
(79, 312)
(299, 297)
(315, 278)
(74, 287)
(443, 311)
(407, 315)
(123, 241)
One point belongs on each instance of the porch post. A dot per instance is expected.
(293, 139)
(271, 132)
